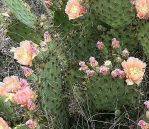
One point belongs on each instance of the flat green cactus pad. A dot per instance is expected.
(6, 108)
(19, 32)
(143, 37)
(22, 12)
(116, 13)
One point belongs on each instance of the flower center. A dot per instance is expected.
(74, 9)
(134, 71)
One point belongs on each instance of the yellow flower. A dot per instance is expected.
(11, 83)
(74, 9)
(26, 52)
(3, 124)
(142, 7)
(134, 69)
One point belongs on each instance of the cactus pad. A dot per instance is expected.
(22, 12)
(115, 13)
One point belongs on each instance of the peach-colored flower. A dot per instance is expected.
(26, 52)
(3, 124)
(134, 70)
(3, 90)
(24, 97)
(74, 9)
(31, 124)
(27, 71)
(11, 83)
(142, 8)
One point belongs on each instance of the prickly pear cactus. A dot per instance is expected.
(19, 32)
(51, 88)
(104, 93)
(51, 93)
(115, 13)
(143, 37)
(126, 36)
(6, 108)
(107, 93)
(22, 12)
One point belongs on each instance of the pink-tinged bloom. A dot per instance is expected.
(104, 70)
(24, 96)
(146, 103)
(90, 73)
(3, 124)
(134, 70)
(83, 67)
(48, 3)
(118, 73)
(26, 52)
(27, 71)
(31, 124)
(3, 91)
(115, 73)
(74, 9)
(11, 83)
(23, 84)
(115, 43)
(100, 45)
(125, 53)
(122, 74)
(93, 62)
(31, 105)
(143, 124)
(47, 37)
(43, 46)
(142, 8)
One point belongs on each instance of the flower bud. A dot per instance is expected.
(47, 37)
(147, 114)
(31, 124)
(119, 59)
(125, 53)
(48, 3)
(43, 46)
(115, 43)
(100, 45)
(43, 18)
(27, 71)
(90, 73)
(104, 70)
(143, 124)
(83, 67)
(146, 103)
(108, 63)
(93, 62)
